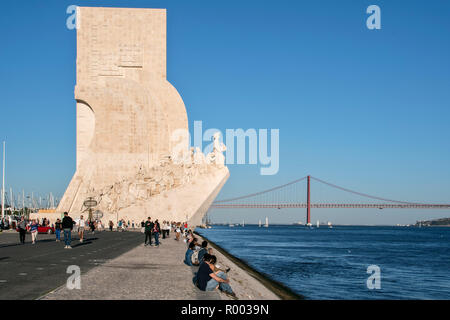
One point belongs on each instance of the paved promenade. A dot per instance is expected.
(142, 273)
(30, 271)
(114, 265)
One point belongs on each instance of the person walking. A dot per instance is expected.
(168, 227)
(111, 225)
(58, 228)
(81, 223)
(22, 225)
(178, 232)
(67, 224)
(163, 229)
(34, 231)
(92, 226)
(148, 225)
(98, 225)
(156, 230)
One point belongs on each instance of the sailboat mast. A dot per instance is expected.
(11, 204)
(3, 182)
(52, 203)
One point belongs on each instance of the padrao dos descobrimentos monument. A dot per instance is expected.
(132, 149)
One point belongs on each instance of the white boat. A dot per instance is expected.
(259, 223)
(318, 223)
(231, 225)
(267, 223)
(329, 225)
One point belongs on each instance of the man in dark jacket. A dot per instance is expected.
(148, 231)
(22, 230)
(67, 224)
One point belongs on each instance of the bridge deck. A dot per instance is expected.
(331, 205)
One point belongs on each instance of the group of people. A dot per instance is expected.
(209, 276)
(154, 230)
(123, 225)
(151, 229)
(67, 224)
(23, 226)
(61, 226)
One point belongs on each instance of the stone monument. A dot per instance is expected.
(127, 117)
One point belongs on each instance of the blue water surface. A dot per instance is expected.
(324, 263)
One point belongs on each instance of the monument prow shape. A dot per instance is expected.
(133, 153)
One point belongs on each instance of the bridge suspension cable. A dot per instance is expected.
(364, 194)
(261, 192)
(289, 198)
(318, 180)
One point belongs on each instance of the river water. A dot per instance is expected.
(331, 263)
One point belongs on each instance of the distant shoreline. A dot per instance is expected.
(279, 289)
(335, 225)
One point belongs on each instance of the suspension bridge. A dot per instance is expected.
(288, 196)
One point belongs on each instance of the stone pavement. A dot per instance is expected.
(142, 273)
(30, 271)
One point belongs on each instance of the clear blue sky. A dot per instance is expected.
(366, 109)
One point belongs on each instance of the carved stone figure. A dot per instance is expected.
(216, 156)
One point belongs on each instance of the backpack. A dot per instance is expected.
(194, 257)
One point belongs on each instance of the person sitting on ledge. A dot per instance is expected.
(195, 242)
(203, 250)
(188, 238)
(208, 280)
(188, 255)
